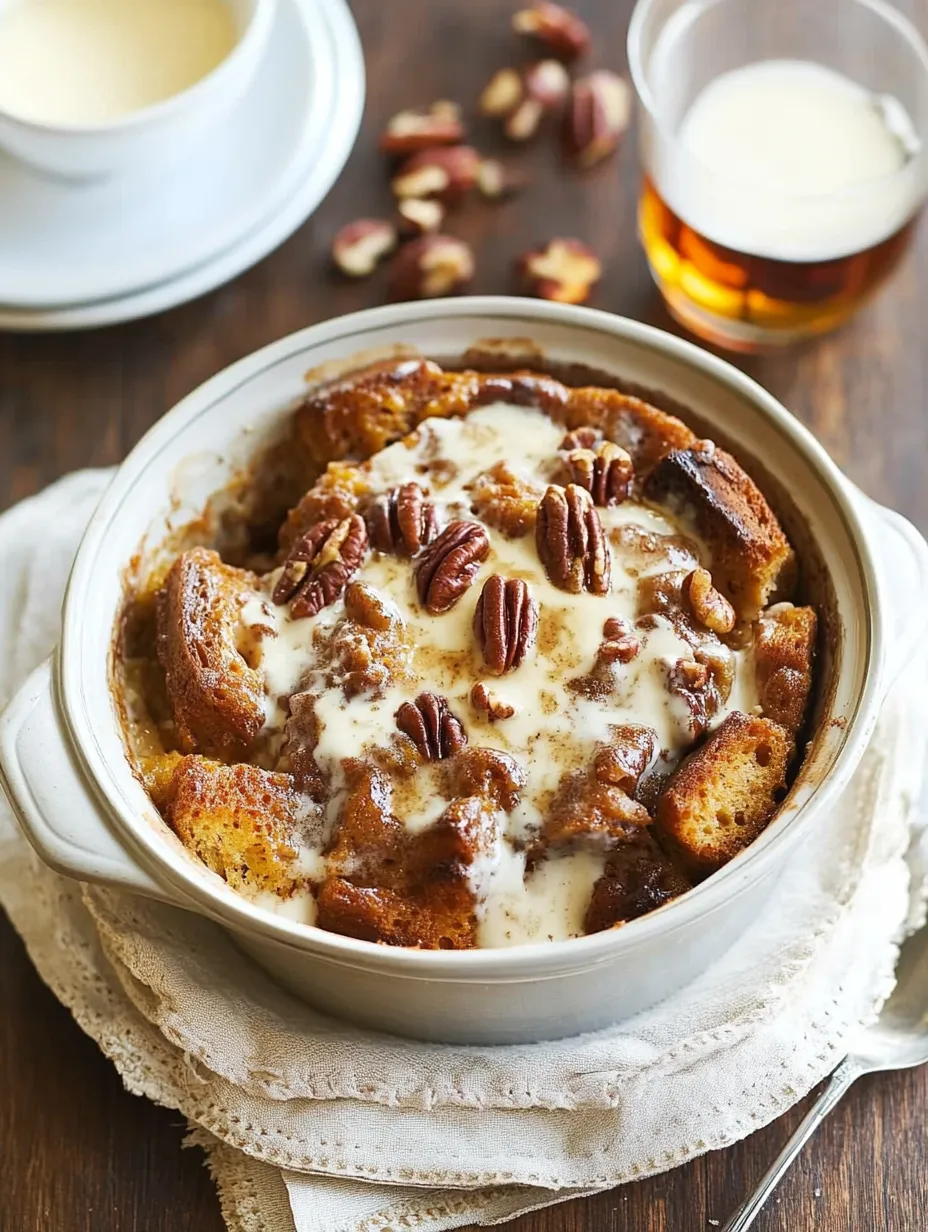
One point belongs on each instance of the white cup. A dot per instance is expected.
(153, 135)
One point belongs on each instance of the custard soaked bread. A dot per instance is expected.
(513, 677)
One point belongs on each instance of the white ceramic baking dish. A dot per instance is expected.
(61, 747)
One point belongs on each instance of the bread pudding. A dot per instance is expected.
(523, 662)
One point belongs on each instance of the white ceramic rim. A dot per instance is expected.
(325, 143)
(174, 869)
(255, 31)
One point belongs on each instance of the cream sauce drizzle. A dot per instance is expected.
(555, 728)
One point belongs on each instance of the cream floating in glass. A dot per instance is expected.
(90, 88)
(783, 145)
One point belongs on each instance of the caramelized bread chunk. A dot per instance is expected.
(368, 841)
(216, 699)
(724, 794)
(645, 432)
(783, 651)
(588, 813)
(337, 493)
(751, 557)
(359, 415)
(638, 878)
(239, 820)
(438, 917)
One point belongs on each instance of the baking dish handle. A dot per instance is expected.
(901, 556)
(55, 808)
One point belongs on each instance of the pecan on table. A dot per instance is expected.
(606, 472)
(431, 726)
(505, 623)
(402, 520)
(449, 565)
(570, 541)
(320, 564)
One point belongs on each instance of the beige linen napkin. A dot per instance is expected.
(315, 1126)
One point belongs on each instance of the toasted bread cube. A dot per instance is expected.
(783, 651)
(590, 814)
(357, 416)
(466, 830)
(725, 793)
(638, 878)
(368, 841)
(239, 820)
(216, 698)
(752, 561)
(436, 917)
(645, 432)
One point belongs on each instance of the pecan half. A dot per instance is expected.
(555, 26)
(586, 437)
(448, 566)
(409, 131)
(402, 521)
(431, 726)
(505, 623)
(606, 472)
(598, 115)
(486, 702)
(359, 247)
(570, 541)
(320, 565)
(708, 605)
(620, 643)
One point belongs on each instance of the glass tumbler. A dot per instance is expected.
(784, 155)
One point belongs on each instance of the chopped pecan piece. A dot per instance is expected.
(598, 115)
(694, 683)
(620, 643)
(565, 270)
(505, 623)
(320, 565)
(570, 540)
(709, 607)
(486, 702)
(359, 247)
(586, 437)
(505, 501)
(402, 521)
(431, 726)
(410, 131)
(555, 26)
(430, 267)
(366, 606)
(606, 472)
(449, 565)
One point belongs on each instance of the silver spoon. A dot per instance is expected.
(897, 1040)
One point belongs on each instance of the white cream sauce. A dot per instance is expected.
(554, 729)
(76, 62)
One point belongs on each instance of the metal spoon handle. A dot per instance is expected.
(846, 1073)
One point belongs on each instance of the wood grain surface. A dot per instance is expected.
(78, 1154)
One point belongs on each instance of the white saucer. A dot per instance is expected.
(105, 253)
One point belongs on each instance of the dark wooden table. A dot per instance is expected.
(77, 1154)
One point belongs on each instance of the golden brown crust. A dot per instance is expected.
(645, 432)
(217, 700)
(239, 820)
(436, 917)
(752, 561)
(725, 793)
(784, 650)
